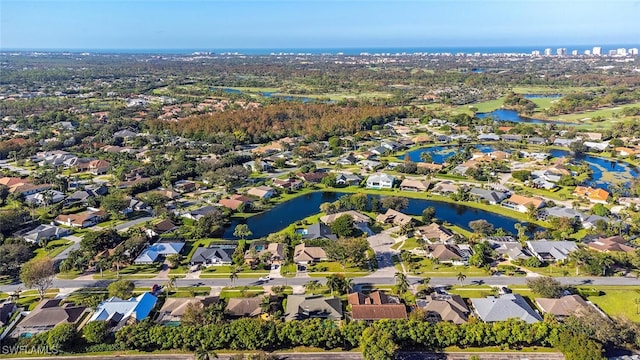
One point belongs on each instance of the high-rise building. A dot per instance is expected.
(547, 52)
(561, 51)
(587, 52)
(613, 52)
(621, 52)
(535, 53)
(574, 52)
(633, 51)
(597, 50)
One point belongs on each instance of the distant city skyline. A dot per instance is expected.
(249, 24)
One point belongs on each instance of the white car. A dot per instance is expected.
(265, 278)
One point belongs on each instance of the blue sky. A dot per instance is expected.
(217, 24)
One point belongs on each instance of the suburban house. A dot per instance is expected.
(356, 216)
(173, 309)
(560, 212)
(312, 177)
(523, 203)
(82, 220)
(394, 217)
(563, 307)
(46, 315)
(491, 196)
(257, 165)
(99, 167)
(348, 180)
(159, 251)
(118, 312)
(160, 228)
(611, 244)
(551, 251)
(184, 186)
(507, 246)
(375, 306)
(435, 233)
(7, 309)
(213, 255)
(290, 184)
(244, 307)
(445, 187)
(199, 213)
(414, 185)
(446, 253)
(262, 192)
(594, 195)
(258, 249)
(380, 181)
(304, 255)
(45, 198)
(508, 306)
(44, 233)
(318, 231)
(446, 307)
(232, 204)
(300, 307)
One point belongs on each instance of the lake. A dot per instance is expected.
(306, 205)
(513, 116)
(605, 171)
(440, 154)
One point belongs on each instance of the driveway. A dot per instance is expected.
(381, 245)
(65, 253)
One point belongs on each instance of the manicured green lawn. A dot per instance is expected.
(53, 248)
(618, 302)
(473, 291)
(424, 266)
(409, 244)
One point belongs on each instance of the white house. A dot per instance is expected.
(380, 181)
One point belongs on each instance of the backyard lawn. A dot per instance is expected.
(619, 301)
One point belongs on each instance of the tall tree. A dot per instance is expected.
(38, 273)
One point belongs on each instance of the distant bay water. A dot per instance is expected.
(345, 51)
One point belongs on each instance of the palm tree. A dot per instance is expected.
(347, 285)
(312, 286)
(265, 304)
(461, 277)
(203, 353)
(233, 274)
(171, 283)
(402, 284)
(606, 262)
(580, 257)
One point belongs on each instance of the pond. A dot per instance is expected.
(513, 116)
(542, 96)
(440, 154)
(294, 210)
(605, 171)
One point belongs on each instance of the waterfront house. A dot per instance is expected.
(594, 195)
(159, 251)
(380, 181)
(414, 185)
(262, 192)
(258, 249)
(357, 217)
(490, 196)
(523, 203)
(318, 231)
(508, 306)
(348, 180)
(394, 217)
(435, 233)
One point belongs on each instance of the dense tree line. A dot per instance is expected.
(273, 122)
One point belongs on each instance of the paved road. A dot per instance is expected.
(366, 280)
(125, 226)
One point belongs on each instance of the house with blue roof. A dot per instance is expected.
(118, 312)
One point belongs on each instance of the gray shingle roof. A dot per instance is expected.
(507, 306)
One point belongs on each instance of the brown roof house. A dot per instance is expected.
(564, 306)
(444, 308)
(304, 255)
(174, 308)
(435, 233)
(414, 185)
(613, 243)
(394, 217)
(375, 306)
(244, 307)
(446, 253)
(82, 220)
(46, 316)
(258, 249)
